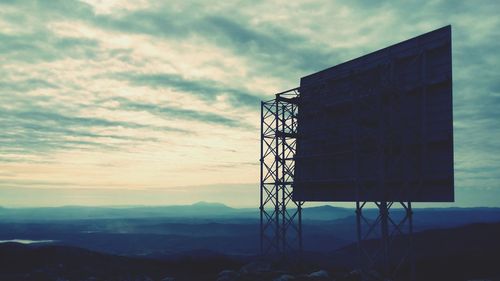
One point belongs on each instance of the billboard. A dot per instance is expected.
(379, 127)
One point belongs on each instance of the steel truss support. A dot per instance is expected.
(388, 254)
(280, 216)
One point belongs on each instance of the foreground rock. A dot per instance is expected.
(228, 275)
(285, 277)
(264, 271)
(319, 274)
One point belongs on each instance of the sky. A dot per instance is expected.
(111, 102)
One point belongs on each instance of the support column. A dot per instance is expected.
(281, 217)
(384, 228)
(393, 258)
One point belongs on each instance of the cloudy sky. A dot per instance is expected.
(157, 102)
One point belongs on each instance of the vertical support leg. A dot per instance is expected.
(299, 210)
(282, 179)
(261, 159)
(411, 253)
(277, 179)
(359, 233)
(384, 227)
(283, 221)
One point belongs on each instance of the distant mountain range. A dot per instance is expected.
(197, 210)
(204, 210)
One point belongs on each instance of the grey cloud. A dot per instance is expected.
(180, 113)
(41, 131)
(273, 45)
(45, 46)
(57, 119)
(278, 51)
(275, 48)
(206, 90)
(25, 85)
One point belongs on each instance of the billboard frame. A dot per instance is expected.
(279, 145)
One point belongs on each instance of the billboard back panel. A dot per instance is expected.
(379, 127)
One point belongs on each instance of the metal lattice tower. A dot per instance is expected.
(280, 216)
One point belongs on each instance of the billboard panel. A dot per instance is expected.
(379, 127)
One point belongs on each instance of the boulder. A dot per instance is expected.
(228, 275)
(285, 277)
(319, 274)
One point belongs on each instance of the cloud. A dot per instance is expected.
(180, 113)
(25, 85)
(205, 90)
(38, 131)
(277, 46)
(44, 46)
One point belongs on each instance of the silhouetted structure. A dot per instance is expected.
(281, 231)
(377, 129)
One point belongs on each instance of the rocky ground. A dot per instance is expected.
(265, 271)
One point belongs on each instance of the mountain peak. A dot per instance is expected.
(209, 204)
